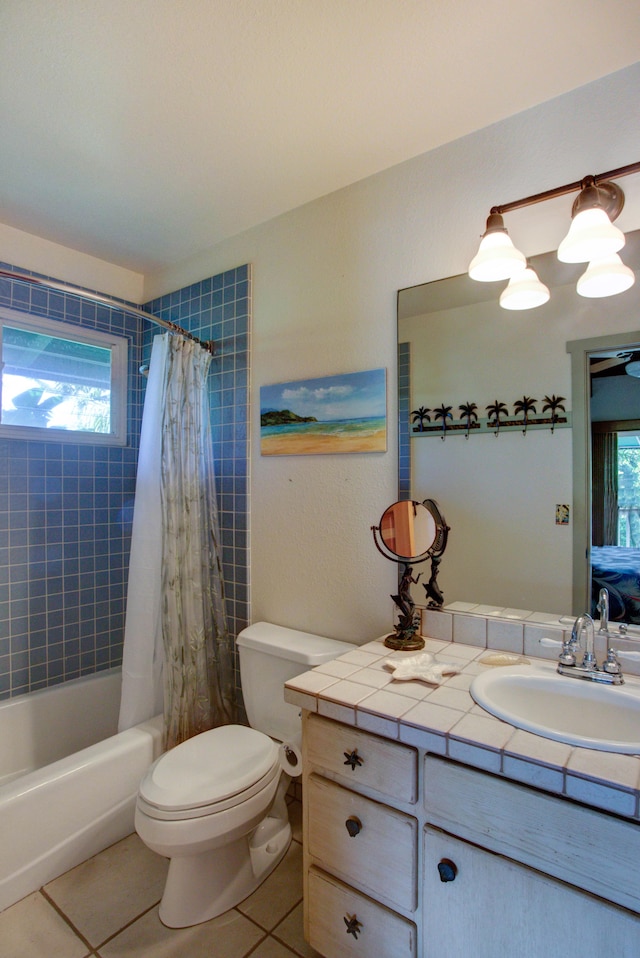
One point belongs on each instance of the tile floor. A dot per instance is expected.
(108, 908)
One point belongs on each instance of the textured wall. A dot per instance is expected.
(326, 277)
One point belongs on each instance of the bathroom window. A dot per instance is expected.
(629, 489)
(61, 382)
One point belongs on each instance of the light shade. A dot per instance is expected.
(497, 258)
(525, 291)
(591, 236)
(605, 277)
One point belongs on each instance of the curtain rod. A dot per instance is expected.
(110, 303)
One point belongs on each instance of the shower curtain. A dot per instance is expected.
(177, 647)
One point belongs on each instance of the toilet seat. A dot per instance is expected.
(209, 772)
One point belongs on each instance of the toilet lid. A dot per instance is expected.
(209, 768)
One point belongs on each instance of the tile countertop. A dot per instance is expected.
(357, 689)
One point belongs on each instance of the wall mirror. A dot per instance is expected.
(517, 501)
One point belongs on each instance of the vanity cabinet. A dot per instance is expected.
(523, 870)
(408, 855)
(497, 907)
(361, 842)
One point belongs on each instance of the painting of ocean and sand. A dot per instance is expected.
(345, 413)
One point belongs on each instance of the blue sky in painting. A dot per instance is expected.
(350, 396)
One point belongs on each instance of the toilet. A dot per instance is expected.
(216, 804)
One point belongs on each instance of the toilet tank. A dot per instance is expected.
(269, 655)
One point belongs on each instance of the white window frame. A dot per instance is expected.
(118, 394)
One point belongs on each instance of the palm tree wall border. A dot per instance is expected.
(440, 421)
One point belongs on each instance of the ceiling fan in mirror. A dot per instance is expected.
(411, 532)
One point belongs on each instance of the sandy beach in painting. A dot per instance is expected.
(307, 440)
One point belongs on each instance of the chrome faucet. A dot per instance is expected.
(611, 663)
(603, 610)
(588, 668)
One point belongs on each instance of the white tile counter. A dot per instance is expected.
(357, 689)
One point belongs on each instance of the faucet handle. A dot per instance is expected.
(568, 655)
(612, 664)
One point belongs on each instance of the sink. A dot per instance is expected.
(569, 710)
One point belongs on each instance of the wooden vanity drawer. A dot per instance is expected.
(380, 857)
(330, 906)
(360, 758)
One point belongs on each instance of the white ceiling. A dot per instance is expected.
(143, 131)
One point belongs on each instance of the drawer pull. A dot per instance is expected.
(354, 927)
(448, 870)
(352, 758)
(353, 826)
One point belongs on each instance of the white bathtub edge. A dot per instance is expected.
(73, 809)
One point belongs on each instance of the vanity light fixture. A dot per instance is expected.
(525, 291)
(605, 277)
(592, 239)
(497, 257)
(592, 234)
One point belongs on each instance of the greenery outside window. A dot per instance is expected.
(629, 489)
(61, 382)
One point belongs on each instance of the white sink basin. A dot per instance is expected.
(574, 711)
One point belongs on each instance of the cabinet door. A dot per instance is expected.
(494, 907)
(574, 844)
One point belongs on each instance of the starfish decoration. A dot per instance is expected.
(423, 667)
(354, 927)
(352, 758)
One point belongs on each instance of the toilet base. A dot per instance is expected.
(200, 887)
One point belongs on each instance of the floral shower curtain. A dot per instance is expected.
(196, 650)
(198, 673)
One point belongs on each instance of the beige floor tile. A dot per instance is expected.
(279, 893)
(108, 891)
(229, 936)
(270, 948)
(32, 928)
(290, 931)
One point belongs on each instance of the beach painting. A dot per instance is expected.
(345, 413)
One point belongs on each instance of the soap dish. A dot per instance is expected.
(504, 658)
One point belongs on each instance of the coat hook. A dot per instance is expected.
(524, 406)
(553, 403)
(420, 416)
(443, 412)
(468, 411)
(496, 410)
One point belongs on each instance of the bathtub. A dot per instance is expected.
(68, 781)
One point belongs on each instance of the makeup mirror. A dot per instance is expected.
(410, 532)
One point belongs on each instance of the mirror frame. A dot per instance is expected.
(400, 557)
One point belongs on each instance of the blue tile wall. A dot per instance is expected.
(65, 522)
(404, 435)
(66, 509)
